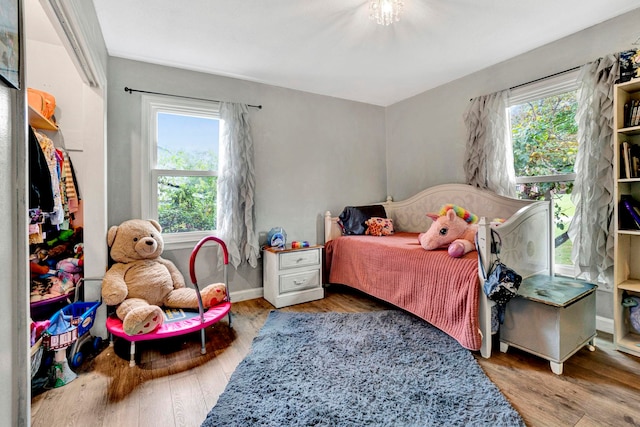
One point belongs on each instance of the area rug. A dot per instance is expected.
(383, 368)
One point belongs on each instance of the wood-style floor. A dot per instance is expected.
(174, 385)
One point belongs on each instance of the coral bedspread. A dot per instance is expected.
(440, 289)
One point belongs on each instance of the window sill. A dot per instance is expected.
(175, 241)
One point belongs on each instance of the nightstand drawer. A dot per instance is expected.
(299, 258)
(299, 281)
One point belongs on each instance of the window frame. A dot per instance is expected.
(543, 88)
(151, 106)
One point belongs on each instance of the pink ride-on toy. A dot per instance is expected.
(180, 322)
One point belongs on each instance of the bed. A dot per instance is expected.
(444, 291)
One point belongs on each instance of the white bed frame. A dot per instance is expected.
(526, 233)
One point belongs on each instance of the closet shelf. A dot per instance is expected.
(38, 121)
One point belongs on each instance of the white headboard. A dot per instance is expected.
(410, 214)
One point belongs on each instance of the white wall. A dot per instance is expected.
(312, 152)
(426, 134)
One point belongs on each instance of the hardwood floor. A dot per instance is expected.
(174, 385)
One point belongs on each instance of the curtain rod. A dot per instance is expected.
(542, 78)
(128, 89)
(547, 77)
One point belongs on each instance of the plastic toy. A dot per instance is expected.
(67, 334)
(277, 237)
(296, 244)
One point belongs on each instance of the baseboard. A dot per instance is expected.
(246, 294)
(604, 324)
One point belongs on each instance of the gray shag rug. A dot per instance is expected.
(383, 368)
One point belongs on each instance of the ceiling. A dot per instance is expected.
(331, 47)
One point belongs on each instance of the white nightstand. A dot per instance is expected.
(292, 276)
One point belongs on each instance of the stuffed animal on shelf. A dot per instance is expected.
(453, 228)
(633, 304)
(140, 281)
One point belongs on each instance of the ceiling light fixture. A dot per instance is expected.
(385, 12)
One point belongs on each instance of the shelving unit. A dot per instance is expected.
(39, 121)
(627, 241)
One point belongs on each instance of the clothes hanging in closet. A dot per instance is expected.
(63, 186)
(40, 189)
(55, 236)
(56, 215)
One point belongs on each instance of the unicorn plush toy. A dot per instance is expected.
(453, 228)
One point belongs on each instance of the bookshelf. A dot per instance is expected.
(627, 228)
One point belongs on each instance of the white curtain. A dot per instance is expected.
(236, 185)
(489, 153)
(591, 229)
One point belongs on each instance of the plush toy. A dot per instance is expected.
(62, 246)
(633, 304)
(453, 228)
(141, 281)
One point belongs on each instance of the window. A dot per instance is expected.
(544, 134)
(180, 166)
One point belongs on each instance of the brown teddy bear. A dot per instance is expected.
(140, 281)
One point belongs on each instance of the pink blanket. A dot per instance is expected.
(440, 289)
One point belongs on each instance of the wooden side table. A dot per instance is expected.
(292, 275)
(551, 317)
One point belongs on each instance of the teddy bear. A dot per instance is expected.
(140, 281)
(453, 228)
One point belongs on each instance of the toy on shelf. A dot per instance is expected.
(296, 244)
(56, 267)
(277, 237)
(633, 304)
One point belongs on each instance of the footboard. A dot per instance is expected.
(525, 232)
(526, 248)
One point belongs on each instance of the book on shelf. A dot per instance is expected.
(626, 114)
(632, 113)
(629, 160)
(626, 163)
(629, 215)
(634, 160)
